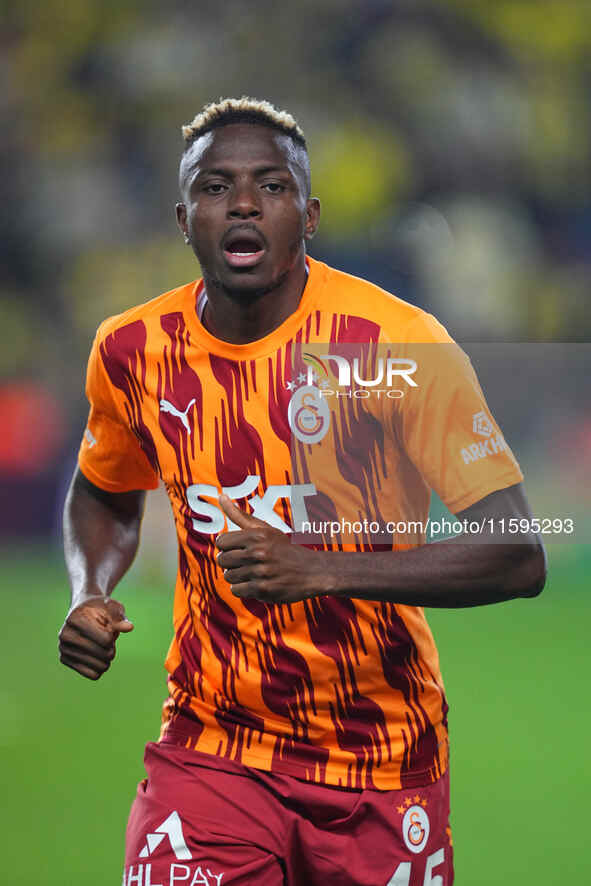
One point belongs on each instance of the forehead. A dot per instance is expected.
(238, 146)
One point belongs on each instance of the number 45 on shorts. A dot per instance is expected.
(401, 876)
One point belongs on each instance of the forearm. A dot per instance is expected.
(445, 574)
(260, 562)
(101, 536)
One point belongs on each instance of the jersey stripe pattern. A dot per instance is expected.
(338, 691)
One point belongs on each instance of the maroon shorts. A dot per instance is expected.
(201, 821)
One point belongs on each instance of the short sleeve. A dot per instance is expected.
(445, 425)
(110, 454)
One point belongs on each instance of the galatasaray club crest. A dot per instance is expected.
(415, 823)
(308, 414)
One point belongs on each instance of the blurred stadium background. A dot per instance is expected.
(451, 149)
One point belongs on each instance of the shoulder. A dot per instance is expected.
(399, 320)
(142, 316)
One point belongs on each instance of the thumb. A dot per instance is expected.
(124, 626)
(237, 515)
(119, 620)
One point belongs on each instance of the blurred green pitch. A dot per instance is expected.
(517, 678)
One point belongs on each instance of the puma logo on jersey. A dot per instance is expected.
(167, 406)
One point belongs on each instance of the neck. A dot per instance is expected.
(242, 316)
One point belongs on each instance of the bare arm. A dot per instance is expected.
(261, 562)
(460, 572)
(101, 535)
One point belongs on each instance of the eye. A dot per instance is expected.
(274, 187)
(215, 188)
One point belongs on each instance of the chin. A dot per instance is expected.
(250, 284)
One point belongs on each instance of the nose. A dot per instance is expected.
(245, 202)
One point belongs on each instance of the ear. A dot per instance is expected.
(181, 218)
(312, 217)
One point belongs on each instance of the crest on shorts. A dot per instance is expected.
(415, 823)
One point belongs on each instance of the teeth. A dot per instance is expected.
(243, 253)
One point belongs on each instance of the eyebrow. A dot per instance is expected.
(228, 173)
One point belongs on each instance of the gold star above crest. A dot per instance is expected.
(407, 801)
(423, 802)
(401, 810)
(416, 798)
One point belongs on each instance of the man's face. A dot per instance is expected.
(245, 206)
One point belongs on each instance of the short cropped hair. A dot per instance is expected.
(242, 110)
(247, 110)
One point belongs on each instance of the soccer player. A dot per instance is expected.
(304, 739)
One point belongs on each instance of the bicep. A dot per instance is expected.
(126, 506)
(503, 503)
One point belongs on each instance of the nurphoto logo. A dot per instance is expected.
(386, 371)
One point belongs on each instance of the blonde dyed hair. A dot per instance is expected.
(242, 110)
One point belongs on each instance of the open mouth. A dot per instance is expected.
(243, 249)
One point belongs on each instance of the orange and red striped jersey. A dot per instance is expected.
(340, 691)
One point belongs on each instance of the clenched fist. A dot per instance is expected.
(88, 635)
(261, 562)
